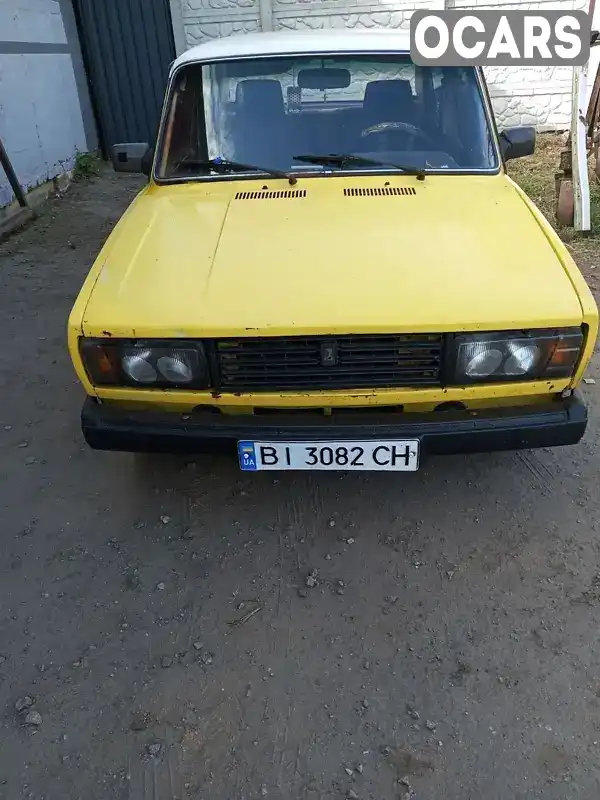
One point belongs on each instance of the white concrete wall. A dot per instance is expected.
(41, 115)
(539, 96)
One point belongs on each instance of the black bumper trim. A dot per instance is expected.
(562, 422)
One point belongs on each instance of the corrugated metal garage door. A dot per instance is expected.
(128, 47)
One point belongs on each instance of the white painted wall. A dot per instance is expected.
(41, 118)
(539, 96)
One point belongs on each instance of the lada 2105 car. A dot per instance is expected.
(329, 268)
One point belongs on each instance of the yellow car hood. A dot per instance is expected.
(331, 254)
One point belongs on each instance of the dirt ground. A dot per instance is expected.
(449, 649)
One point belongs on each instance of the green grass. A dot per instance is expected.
(87, 166)
(535, 175)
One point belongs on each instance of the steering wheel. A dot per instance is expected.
(385, 128)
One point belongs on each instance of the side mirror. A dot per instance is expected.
(517, 142)
(132, 157)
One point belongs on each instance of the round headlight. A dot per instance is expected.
(484, 362)
(136, 366)
(176, 368)
(522, 358)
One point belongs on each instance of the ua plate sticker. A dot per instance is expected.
(247, 456)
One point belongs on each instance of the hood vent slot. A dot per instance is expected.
(379, 191)
(280, 195)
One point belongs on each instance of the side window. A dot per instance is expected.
(183, 127)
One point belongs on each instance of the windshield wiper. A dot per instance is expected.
(346, 159)
(223, 165)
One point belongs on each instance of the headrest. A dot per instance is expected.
(260, 93)
(392, 92)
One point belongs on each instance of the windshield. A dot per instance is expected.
(265, 112)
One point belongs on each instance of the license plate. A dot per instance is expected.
(389, 456)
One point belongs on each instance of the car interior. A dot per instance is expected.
(267, 128)
(433, 126)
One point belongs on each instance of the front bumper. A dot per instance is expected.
(560, 422)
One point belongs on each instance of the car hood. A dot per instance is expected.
(340, 254)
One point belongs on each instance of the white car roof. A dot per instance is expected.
(284, 43)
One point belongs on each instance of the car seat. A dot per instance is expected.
(388, 101)
(261, 124)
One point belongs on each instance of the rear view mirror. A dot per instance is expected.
(131, 157)
(323, 78)
(517, 142)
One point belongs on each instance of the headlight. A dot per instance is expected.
(516, 355)
(154, 364)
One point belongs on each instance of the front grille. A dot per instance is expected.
(299, 362)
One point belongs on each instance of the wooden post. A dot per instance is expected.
(581, 184)
(581, 187)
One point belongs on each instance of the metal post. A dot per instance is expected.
(12, 177)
